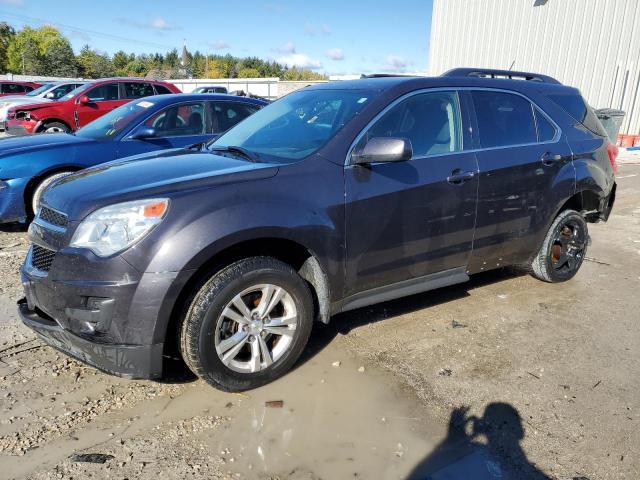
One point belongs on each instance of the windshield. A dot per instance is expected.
(116, 121)
(73, 93)
(296, 125)
(39, 90)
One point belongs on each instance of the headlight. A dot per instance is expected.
(114, 228)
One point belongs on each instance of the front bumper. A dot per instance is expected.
(21, 127)
(100, 311)
(129, 361)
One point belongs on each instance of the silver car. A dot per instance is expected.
(49, 92)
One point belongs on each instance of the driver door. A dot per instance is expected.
(102, 99)
(411, 219)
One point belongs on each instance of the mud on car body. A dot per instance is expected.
(332, 198)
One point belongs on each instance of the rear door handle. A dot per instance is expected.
(549, 159)
(458, 177)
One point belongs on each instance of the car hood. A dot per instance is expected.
(27, 144)
(22, 100)
(163, 174)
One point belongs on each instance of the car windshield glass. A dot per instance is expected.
(296, 125)
(38, 91)
(74, 92)
(116, 121)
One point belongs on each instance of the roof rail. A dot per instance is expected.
(492, 73)
(384, 75)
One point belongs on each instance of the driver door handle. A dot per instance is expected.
(549, 159)
(458, 177)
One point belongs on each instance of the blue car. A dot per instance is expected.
(29, 164)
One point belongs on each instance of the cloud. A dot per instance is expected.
(396, 63)
(299, 60)
(220, 45)
(287, 48)
(13, 3)
(313, 30)
(158, 24)
(335, 54)
(274, 8)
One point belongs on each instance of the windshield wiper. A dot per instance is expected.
(243, 152)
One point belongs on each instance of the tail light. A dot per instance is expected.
(612, 151)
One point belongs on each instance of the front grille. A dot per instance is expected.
(41, 258)
(53, 217)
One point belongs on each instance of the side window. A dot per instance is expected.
(431, 121)
(102, 93)
(162, 90)
(224, 115)
(62, 90)
(177, 120)
(137, 90)
(503, 119)
(546, 131)
(13, 88)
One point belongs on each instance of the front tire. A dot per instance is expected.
(247, 325)
(54, 127)
(563, 249)
(41, 187)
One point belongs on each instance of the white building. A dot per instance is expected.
(593, 45)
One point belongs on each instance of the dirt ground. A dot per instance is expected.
(503, 377)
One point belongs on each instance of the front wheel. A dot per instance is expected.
(563, 249)
(55, 127)
(248, 324)
(41, 187)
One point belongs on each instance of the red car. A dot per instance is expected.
(8, 87)
(82, 105)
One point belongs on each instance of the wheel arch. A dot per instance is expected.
(291, 252)
(33, 183)
(43, 124)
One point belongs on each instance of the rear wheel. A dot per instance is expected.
(248, 324)
(563, 249)
(54, 127)
(41, 187)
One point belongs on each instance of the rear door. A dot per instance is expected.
(102, 99)
(521, 155)
(407, 220)
(223, 115)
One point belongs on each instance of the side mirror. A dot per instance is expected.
(84, 100)
(384, 149)
(50, 95)
(143, 133)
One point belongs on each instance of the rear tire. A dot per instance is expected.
(563, 249)
(54, 127)
(41, 187)
(234, 341)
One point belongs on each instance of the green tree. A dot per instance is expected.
(40, 51)
(59, 60)
(93, 64)
(119, 61)
(6, 35)
(249, 73)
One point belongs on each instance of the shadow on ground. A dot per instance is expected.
(486, 448)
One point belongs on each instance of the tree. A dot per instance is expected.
(248, 73)
(6, 35)
(93, 64)
(59, 60)
(119, 61)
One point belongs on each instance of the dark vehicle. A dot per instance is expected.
(211, 89)
(82, 105)
(332, 198)
(8, 87)
(30, 163)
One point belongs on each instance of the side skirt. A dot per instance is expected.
(403, 289)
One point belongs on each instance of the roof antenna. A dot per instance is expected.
(512, 64)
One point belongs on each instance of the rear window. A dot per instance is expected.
(577, 108)
(162, 90)
(137, 90)
(504, 119)
(546, 131)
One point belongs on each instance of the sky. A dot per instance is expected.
(334, 37)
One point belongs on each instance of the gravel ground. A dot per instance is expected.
(564, 358)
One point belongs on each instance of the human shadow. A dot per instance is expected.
(462, 455)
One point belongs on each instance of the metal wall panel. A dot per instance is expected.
(590, 44)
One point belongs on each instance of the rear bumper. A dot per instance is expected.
(129, 361)
(607, 204)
